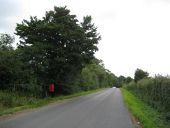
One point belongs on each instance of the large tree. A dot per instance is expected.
(57, 46)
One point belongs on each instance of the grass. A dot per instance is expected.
(11, 103)
(147, 116)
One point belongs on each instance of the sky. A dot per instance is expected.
(135, 33)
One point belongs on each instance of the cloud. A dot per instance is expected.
(9, 8)
(9, 11)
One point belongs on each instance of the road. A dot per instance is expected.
(104, 109)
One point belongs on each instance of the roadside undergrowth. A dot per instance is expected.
(11, 103)
(147, 116)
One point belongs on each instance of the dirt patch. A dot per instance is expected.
(135, 122)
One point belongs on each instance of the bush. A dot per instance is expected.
(11, 99)
(6, 100)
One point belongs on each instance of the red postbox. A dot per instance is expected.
(52, 88)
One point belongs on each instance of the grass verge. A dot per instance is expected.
(29, 103)
(147, 116)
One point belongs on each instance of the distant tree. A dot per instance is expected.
(58, 46)
(120, 81)
(140, 74)
(6, 41)
(94, 75)
(128, 79)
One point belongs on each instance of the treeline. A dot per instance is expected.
(153, 90)
(55, 49)
(92, 76)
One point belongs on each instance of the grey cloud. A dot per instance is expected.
(7, 26)
(9, 11)
(9, 8)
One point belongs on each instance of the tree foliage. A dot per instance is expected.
(58, 46)
(95, 75)
(55, 49)
(6, 41)
(6, 59)
(140, 74)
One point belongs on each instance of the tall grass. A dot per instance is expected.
(11, 99)
(147, 116)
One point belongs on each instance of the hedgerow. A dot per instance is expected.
(155, 91)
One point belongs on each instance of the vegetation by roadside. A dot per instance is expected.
(56, 49)
(12, 102)
(147, 116)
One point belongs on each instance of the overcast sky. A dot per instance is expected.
(135, 33)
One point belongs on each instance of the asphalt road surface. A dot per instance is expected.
(104, 109)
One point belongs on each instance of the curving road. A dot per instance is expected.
(104, 109)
